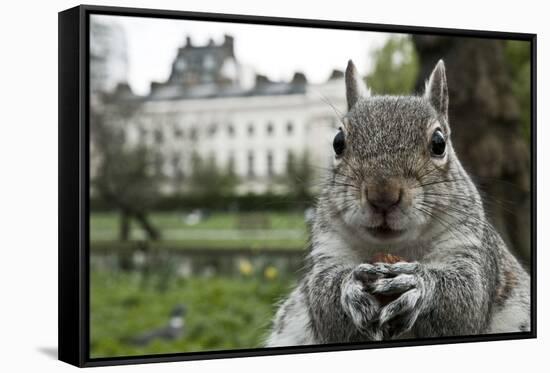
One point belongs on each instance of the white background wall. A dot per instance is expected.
(28, 188)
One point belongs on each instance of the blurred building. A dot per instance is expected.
(201, 71)
(108, 55)
(203, 110)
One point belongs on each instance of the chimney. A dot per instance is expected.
(299, 78)
(336, 74)
(228, 44)
(262, 80)
(228, 40)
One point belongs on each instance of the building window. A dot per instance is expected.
(270, 128)
(177, 167)
(289, 161)
(209, 62)
(250, 164)
(181, 65)
(231, 163)
(250, 130)
(289, 128)
(142, 134)
(230, 130)
(158, 136)
(178, 133)
(193, 134)
(212, 129)
(159, 163)
(270, 164)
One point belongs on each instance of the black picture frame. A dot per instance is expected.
(73, 250)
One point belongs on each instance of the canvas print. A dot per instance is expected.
(261, 186)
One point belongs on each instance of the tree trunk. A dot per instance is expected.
(152, 233)
(124, 232)
(485, 121)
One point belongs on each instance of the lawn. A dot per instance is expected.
(219, 230)
(230, 300)
(230, 312)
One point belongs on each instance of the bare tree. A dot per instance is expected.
(125, 176)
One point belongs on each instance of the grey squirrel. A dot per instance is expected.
(397, 186)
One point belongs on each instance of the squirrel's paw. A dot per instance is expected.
(360, 306)
(412, 282)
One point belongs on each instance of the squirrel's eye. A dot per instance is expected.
(339, 143)
(438, 143)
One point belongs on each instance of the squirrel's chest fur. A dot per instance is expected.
(332, 246)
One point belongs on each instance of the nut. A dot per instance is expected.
(384, 299)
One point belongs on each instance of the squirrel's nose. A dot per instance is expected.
(383, 197)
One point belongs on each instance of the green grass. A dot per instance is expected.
(229, 311)
(223, 312)
(243, 244)
(217, 220)
(220, 230)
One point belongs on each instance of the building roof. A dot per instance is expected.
(212, 70)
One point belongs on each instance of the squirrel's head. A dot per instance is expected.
(390, 155)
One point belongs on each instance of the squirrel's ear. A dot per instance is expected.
(355, 86)
(436, 89)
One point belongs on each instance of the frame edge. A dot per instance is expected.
(69, 248)
(72, 275)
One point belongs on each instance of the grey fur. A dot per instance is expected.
(459, 278)
(436, 90)
(355, 87)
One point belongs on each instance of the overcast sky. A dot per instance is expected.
(274, 51)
